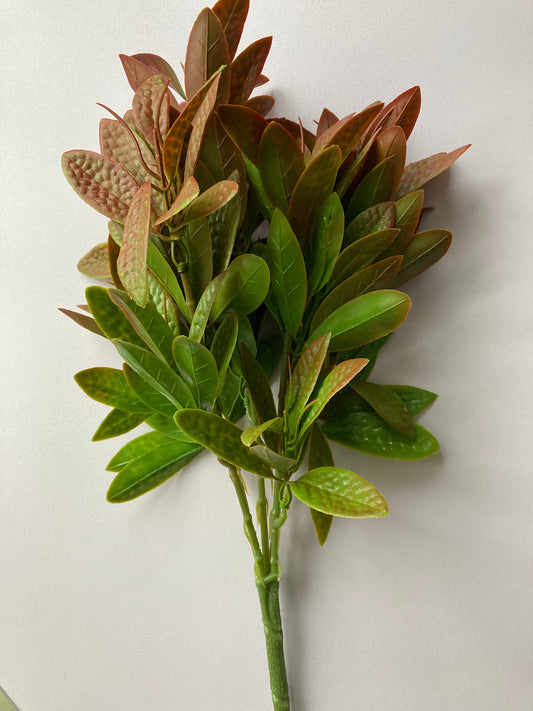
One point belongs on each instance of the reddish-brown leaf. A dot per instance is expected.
(137, 72)
(207, 51)
(131, 262)
(117, 143)
(232, 15)
(261, 79)
(198, 129)
(295, 129)
(312, 189)
(211, 200)
(347, 132)
(245, 128)
(304, 378)
(150, 101)
(162, 68)
(246, 69)
(405, 110)
(327, 120)
(417, 174)
(263, 104)
(101, 182)
(187, 194)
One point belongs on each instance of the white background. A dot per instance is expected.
(151, 605)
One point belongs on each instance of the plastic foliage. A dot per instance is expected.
(202, 311)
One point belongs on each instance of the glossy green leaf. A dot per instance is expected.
(84, 321)
(320, 456)
(203, 309)
(150, 103)
(147, 323)
(388, 405)
(224, 343)
(222, 438)
(108, 386)
(339, 492)
(166, 426)
(247, 68)
(186, 195)
(160, 269)
(326, 242)
(257, 189)
(405, 110)
(368, 433)
(231, 396)
(371, 351)
(311, 191)
(423, 251)
(197, 237)
(288, 279)
(334, 381)
(252, 434)
(101, 182)
(375, 187)
(109, 317)
(136, 448)
(258, 386)
(244, 286)
(118, 422)
(420, 172)
(164, 304)
(392, 144)
(279, 462)
(415, 399)
(223, 226)
(148, 394)
(376, 276)
(281, 163)
(201, 119)
(156, 374)
(245, 127)
(198, 369)
(304, 378)
(407, 217)
(131, 263)
(150, 470)
(207, 51)
(374, 219)
(364, 319)
(360, 254)
(232, 15)
(95, 263)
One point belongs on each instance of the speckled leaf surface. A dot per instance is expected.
(222, 438)
(152, 398)
(100, 182)
(109, 317)
(247, 68)
(203, 309)
(232, 15)
(304, 378)
(339, 492)
(131, 263)
(211, 200)
(198, 128)
(186, 195)
(151, 101)
(108, 386)
(95, 263)
(161, 67)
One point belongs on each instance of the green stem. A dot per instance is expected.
(248, 524)
(270, 611)
(284, 376)
(262, 515)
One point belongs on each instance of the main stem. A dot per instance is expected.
(271, 614)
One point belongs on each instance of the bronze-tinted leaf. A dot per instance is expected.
(198, 128)
(263, 104)
(207, 51)
(163, 68)
(281, 164)
(423, 251)
(373, 219)
(245, 127)
(405, 110)
(84, 321)
(150, 103)
(131, 263)
(347, 132)
(375, 187)
(304, 378)
(138, 71)
(312, 189)
(232, 15)
(388, 405)
(390, 143)
(95, 263)
(101, 182)
(417, 174)
(246, 69)
(186, 195)
(117, 143)
(327, 119)
(211, 200)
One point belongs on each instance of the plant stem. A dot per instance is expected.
(248, 524)
(270, 612)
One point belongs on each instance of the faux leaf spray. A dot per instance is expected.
(205, 312)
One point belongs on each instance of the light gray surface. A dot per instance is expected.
(151, 604)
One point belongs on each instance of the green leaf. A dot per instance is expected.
(203, 309)
(373, 219)
(311, 191)
(304, 378)
(231, 397)
(166, 426)
(164, 304)
(378, 275)
(207, 51)
(244, 287)
(251, 434)
(288, 279)
(117, 423)
(360, 254)
(136, 448)
(197, 237)
(109, 317)
(334, 381)
(417, 174)
(151, 469)
(223, 226)
(100, 182)
(407, 218)
(283, 464)
(374, 188)
(131, 263)
(224, 342)
(210, 201)
(327, 239)
(222, 438)
(423, 251)
(320, 456)
(156, 374)
(186, 195)
(415, 399)
(368, 433)
(198, 369)
(388, 405)
(152, 398)
(95, 263)
(232, 15)
(147, 323)
(257, 189)
(390, 143)
(339, 492)
(162, 272)
(108, 386)
(258, 386)
(364, 319)
(371, 351)
(281, 164)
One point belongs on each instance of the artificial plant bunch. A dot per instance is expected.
(202, 309)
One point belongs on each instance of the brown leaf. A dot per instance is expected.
(232, 15)
(417, 174)
(207, 51)
(263, 104)
(405, 110)
(246, 69)
(150, 101)
(245, 128)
